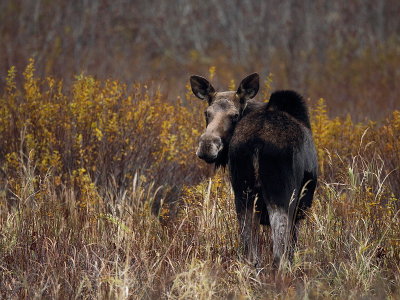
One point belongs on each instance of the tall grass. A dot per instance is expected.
(82, 170)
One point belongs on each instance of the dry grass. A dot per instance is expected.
(65, 235)
(50, 248)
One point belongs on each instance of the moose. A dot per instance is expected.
(271, 159)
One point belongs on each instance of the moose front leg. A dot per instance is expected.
(249, 227)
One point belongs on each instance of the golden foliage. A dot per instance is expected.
(100, 127)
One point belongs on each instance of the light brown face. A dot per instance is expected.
(222, 114)
(221, 117)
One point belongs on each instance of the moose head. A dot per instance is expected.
(222, 114)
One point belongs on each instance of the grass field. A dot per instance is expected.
(102, 197)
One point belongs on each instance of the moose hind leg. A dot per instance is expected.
(279, 221)
(249, 226)
(292, 239)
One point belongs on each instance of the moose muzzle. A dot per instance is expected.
(209, 147)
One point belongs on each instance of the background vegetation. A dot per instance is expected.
(344, 51)
(101, 195)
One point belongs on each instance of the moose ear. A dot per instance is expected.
(249, 86)
(201, 87)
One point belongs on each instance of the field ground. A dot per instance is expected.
(102, 197)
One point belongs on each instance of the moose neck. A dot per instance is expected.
(222, 159)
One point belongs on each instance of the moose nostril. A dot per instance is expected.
(201, 155)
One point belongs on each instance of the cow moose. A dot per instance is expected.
(271, 158)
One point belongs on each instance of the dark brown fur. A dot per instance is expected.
(271, 158)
